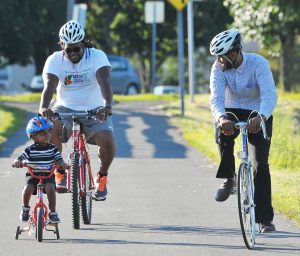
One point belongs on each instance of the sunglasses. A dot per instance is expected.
(75, 49)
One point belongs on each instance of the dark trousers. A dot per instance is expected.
(259, 153)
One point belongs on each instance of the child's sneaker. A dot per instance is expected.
(24, 216)
(53, 216)
(100, 188)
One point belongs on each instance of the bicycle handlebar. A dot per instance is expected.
(88, 114)
(31, 168)
(244, 124)
(79, 115)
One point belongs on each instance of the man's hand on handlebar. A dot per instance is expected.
(254, 124)
(227, 126)
(103, 112)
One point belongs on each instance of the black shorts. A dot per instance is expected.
(32, 181)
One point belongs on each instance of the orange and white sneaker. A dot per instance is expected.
(61, 182)
(100, 188)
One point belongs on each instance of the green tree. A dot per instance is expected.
(14, 46)
(119, 27)
(29, 30)
(271, 22)
(210, 18)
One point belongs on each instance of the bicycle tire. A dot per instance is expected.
(246, 205)
(75, 191)
(40, 224)
(87, 199)
(18, 233)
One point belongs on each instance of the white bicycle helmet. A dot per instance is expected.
(225, 41)
(71, 33)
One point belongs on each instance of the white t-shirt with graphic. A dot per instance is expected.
(78, 88)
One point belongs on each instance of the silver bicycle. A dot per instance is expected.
(245, 184)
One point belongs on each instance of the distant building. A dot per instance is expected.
(14, 77)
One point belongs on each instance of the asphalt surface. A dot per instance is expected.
(160, 201)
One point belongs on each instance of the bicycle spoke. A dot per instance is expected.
(246, 206)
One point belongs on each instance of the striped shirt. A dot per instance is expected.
(38, 156)
(250, 86)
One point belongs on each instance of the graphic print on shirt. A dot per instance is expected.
(77, 79)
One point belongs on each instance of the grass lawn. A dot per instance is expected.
(10, 121)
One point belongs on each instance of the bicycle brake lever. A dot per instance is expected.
(263, 127)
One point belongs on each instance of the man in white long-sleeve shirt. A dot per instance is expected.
(240, 83)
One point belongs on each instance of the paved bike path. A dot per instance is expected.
(160, 202)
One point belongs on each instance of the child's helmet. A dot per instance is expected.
(38, 124)
(71, 32)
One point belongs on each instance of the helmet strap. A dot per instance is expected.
(232, 64)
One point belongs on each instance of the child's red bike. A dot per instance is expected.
(38, 221)
(80, 180)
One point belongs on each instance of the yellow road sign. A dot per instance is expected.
(178, 4)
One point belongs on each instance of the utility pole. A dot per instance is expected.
(70, 7)
(154, 13)
(190, 14)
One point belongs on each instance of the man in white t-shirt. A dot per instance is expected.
(80, 74)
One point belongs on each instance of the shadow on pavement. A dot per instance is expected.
(156, 133)
(185, 230)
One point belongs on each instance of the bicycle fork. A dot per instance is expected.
(40, 204)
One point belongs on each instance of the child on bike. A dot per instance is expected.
(40, 153)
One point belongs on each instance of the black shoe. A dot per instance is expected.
(267, 227)
(53, 216)
(24, 216)
(227, 188)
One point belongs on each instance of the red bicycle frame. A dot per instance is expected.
(79, 146)
(38, 219)
(80, 182)
(40, 194)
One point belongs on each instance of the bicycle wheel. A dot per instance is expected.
(18, 233)
(86, 200)
(246, 205)
(75, 191)
(40, 224)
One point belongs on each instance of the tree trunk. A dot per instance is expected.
(287, 61)
(144, 75)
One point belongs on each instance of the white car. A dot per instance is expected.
(37, 84)
(166, 89)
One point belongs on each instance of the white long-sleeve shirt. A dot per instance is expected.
(251, 86)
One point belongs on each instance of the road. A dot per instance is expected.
(160, 201)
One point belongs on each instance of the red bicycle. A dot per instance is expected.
(38, 221)
(80, 180)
